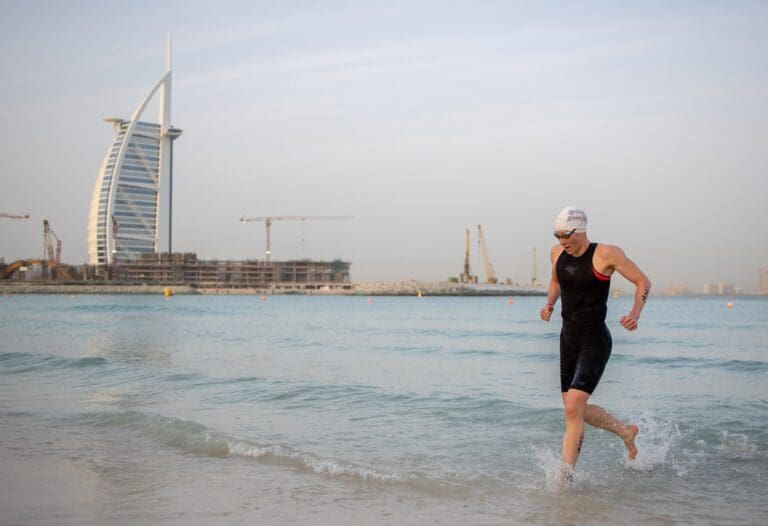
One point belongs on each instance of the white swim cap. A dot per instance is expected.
(571, 218)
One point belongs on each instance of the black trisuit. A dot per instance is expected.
(585, 343)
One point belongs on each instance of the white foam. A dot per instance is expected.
(737, 445)
(321, 466)
(102, 397)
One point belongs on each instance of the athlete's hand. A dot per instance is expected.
(546, 312)
(629, 322)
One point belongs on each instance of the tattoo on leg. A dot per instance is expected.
(581, 441)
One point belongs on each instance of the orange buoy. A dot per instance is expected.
(510, 301)
(264, 297)
(729, 305)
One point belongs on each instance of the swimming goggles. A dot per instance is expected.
(565, 235)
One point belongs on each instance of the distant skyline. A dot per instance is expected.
(420, 119)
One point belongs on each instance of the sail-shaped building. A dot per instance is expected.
(131, 207)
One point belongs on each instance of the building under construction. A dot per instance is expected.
(188, 269)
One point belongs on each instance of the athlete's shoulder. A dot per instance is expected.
(609, 253)
(555, 252)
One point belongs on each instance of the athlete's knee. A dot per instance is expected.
(575, 405)
(574, 410)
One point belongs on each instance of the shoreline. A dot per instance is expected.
(397, 288)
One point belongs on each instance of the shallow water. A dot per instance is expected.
(349, 410)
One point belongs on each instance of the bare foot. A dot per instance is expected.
(630, 432)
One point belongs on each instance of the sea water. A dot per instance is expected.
(358, 410)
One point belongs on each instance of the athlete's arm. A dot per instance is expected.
(618, 261)
(554, 286)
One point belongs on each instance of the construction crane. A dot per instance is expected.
(48, 234)
(268, 224)
(466, 276)
(14, 216)
(489, 272)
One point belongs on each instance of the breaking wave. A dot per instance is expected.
(194, 438)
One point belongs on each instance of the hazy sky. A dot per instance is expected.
(420, 119)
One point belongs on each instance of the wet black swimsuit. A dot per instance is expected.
(585, 343)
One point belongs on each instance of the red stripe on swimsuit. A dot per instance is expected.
(601, 277)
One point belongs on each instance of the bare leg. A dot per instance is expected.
(575, 409)
(598, 417)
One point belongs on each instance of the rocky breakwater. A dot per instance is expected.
(85, 288)
(373, 288)
(442, 288)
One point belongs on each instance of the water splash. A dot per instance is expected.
(559, 476)
(655, 441)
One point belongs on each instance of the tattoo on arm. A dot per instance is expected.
(645, 294)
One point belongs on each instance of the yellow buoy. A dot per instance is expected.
(168, 292)
(419, 294)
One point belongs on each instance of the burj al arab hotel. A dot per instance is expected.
(131, 206)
